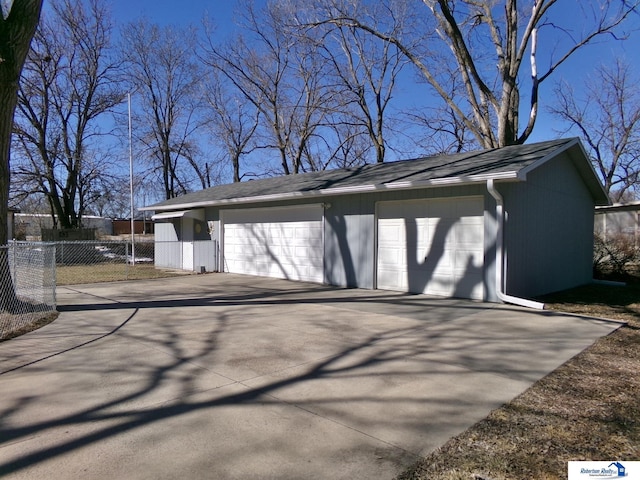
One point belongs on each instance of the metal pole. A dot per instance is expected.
(133, 248)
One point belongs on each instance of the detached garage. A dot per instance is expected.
(493, 225)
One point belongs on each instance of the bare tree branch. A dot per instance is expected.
(493, 72)
(608, 120)
(69, 83)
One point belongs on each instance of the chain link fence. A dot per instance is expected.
(104, 261)
(28, 280)
(109, 261)
(30, 272)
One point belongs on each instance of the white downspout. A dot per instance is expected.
(500, 255)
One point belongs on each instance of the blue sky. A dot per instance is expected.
(173, 12)
(222, 13)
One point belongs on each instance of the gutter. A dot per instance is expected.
(501, 255)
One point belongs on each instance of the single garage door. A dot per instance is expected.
(280, 242)
(432, 246)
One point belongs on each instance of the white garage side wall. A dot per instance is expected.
(280, 242)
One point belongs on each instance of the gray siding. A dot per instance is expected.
(205, 255)
(349, 241)
(166, 231)
(168, 250)
(549, 230)
(490, 235)
(184, 243)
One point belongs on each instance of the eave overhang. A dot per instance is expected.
(326, 192)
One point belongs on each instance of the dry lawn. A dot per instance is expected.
(110, 272)
(588, 409)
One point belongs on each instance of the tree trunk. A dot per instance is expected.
(16, 32)
(7, 102)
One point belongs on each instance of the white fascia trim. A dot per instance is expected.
(439, 182)
(198, 214)
(512, 175)
(233, 201)
(614, 207)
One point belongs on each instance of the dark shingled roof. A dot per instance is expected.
(505, 163)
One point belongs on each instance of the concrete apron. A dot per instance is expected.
(228, 376)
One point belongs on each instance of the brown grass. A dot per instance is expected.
(110, 272)
(588, 409)
(35, 321)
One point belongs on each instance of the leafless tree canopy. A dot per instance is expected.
(366, 70)
(164, 75)
(68, 84)
(494, 47)
(232, 119)
(301, 86)
(273, 69)
(607, 117)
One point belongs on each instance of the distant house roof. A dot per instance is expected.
(511, 163)
(618, 207)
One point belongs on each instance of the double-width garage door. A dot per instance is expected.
(432, 246)
(280, 242)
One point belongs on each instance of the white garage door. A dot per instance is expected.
(275, 242)
(432, 246)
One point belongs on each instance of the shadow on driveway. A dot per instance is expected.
(225, 376)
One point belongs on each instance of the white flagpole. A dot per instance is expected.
(133, 247)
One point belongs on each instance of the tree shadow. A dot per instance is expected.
(339, 228)
(421, 270)
(391, 347)
(290, 271)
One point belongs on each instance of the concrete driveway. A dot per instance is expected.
(227, 376)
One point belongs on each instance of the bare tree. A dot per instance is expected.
(112, 198)
(165, 74)
(18, 23)
(487, 44)
(444, 131)
(233, 121)
(68, 84)
(366, 68)
(608, 120)
(275, 71)
(347, 144)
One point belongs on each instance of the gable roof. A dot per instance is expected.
(511, 163)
